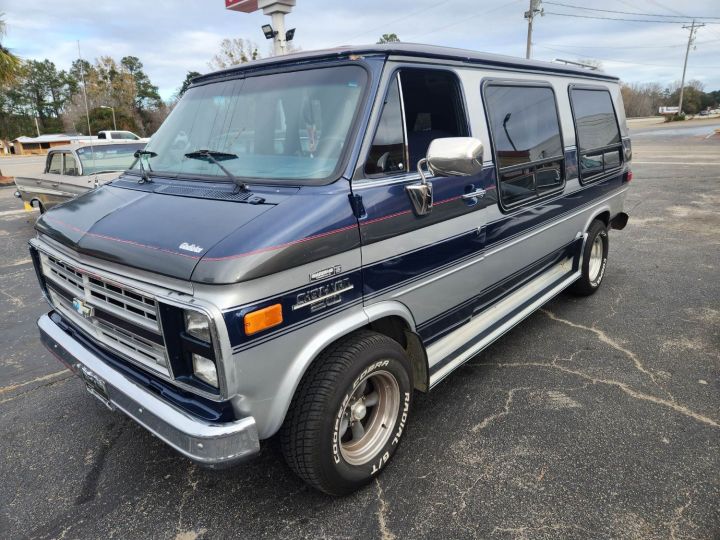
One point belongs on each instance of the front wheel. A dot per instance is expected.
(349, 413)
(594, 260)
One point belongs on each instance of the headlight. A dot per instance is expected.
(197, 325)
(204, 369)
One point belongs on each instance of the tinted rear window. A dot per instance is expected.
(595, 119)
(524, 124)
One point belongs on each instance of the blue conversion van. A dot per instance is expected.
(310, 239)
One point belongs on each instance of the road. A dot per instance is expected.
(21, 165)
(596, 417)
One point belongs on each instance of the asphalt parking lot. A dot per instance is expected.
(595, 418)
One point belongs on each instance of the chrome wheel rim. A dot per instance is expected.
(596, 258)
(369, 417)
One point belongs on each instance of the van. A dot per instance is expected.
(309, 240)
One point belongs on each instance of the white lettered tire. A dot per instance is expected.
(594, 260)
(349, 413)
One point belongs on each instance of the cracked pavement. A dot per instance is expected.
(596, 417)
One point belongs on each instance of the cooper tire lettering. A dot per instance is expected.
(365, 378)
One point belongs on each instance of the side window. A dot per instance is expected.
(433, 109)
(387, 153)
(425, 105)
(526, 136)
(71, 168)
(55, 163)
(599, 143)
(102, 135)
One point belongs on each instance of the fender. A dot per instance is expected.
(312, 349)
(597, 211)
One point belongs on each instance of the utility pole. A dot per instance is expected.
(530, 15)
(691, 39)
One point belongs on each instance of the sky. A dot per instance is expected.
(172, 37)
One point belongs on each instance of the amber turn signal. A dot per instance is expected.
(264, 318)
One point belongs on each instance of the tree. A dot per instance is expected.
(234, 52)
(388, 38)
(146, 93)
(107, 84)
(186, 83)
(642, 99)
(9, 63)
(692, 96)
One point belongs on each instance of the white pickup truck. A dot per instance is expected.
(120, 136)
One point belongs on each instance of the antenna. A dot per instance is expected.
(87, 111)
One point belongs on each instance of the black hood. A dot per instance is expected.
(154, 231)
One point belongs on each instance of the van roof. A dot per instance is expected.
(420, 51)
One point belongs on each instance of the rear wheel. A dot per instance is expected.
(349, 413)
(594, 260)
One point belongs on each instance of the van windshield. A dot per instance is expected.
(282, 127)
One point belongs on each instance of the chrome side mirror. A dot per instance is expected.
(455, 156)
(449, 156)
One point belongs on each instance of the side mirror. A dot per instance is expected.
(449, 156)
(455, 156)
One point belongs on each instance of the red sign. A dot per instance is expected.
(246, 6)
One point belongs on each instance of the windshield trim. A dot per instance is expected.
(352, 137)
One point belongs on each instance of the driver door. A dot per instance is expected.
(431, 263)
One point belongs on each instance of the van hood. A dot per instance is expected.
(197, 233)
(144, 229)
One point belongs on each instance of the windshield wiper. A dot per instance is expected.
(212, 156)
(144, 176)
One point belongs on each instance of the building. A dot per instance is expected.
(25, 146)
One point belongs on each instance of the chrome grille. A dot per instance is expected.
(123, 319)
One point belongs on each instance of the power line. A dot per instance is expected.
(666, 8)
(465, 18)
(388, 23)
(615, 60)
(677, 45)
(619, 19)
(627, 12)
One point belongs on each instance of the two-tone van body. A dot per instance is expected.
(310, 239)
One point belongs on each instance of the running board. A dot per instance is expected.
(458, 347)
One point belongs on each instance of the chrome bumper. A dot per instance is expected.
(213, 445)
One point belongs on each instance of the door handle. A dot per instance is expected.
(477, 194)
(55, 184)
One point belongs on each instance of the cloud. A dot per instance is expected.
(172, 37)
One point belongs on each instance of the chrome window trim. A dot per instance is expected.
(406, 146)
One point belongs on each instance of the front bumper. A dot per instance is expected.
(214, 445)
